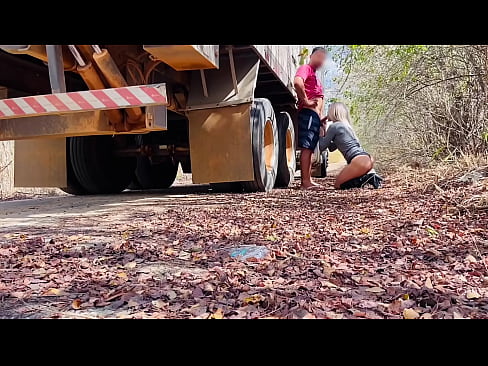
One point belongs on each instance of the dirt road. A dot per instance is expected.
(390, 253)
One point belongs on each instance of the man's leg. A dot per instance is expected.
(308, 135)
(306, 168)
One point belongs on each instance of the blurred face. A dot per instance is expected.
(317, 59)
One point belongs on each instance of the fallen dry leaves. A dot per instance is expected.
(410, 314)
(399, 252)
(76, 304)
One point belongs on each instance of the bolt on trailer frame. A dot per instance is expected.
(223, 82)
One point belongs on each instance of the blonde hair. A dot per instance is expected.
(338, 112)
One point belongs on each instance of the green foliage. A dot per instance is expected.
(438, 152)
(303, 56)
(484, 136)
(418, 101)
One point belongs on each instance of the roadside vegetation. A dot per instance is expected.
(421, 109)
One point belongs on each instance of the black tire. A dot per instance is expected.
(74, 187)
(287, 163)
(264, 135)
(324, 164)
(134, 185)
(96, 168)
(186, 165)
(156, 176)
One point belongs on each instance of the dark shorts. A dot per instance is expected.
(308, 129)
(358, 154)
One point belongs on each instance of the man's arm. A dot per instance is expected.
(302, 96)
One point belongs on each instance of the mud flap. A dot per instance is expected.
(40, 163)
(220, 144)
(220, 122)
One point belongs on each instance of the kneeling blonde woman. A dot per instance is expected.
(340, 135)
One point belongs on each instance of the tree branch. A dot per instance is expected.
(442, 81)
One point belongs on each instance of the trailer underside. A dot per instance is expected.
(24, 75)
(194, 100)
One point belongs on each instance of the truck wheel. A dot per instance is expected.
(324, 164)
(74, 187)
(96, 168)
(287, 162)
(156, 176)
(264, 146)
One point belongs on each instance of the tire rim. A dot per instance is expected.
(289, 148)
(269, 153)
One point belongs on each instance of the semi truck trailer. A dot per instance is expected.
(99, 119)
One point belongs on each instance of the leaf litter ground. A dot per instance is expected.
(398, 252)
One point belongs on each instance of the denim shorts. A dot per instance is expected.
(308, 129)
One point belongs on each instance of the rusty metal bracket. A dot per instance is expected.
(204, 83)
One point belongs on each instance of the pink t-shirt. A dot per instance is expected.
(313, 86)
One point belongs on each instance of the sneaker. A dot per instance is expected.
(353, 183)
(374, 179)
(371, 178)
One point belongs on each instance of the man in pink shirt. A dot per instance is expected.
(310, 105)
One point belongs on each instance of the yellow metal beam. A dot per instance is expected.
(39, 52)
(185, 57)
(77, 124)
(61, 125)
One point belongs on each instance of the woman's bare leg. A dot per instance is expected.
(359, 166)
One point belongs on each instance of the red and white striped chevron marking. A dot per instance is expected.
(131, 96)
